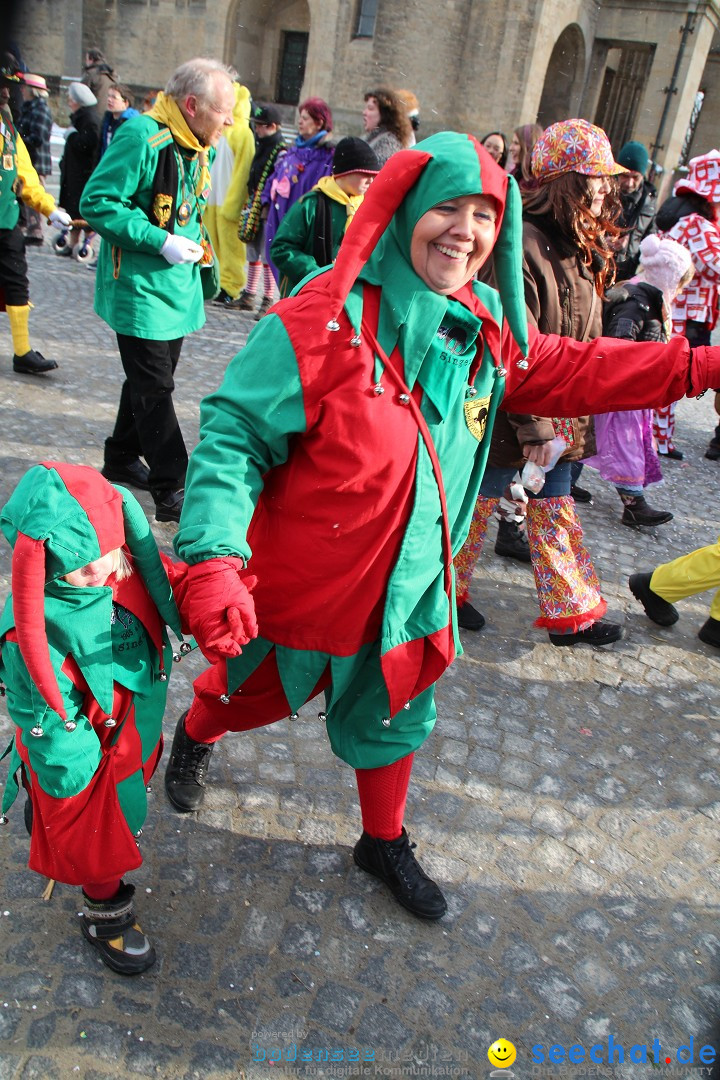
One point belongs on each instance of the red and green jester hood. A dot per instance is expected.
(59, 518)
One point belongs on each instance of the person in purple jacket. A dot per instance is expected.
(299, 170)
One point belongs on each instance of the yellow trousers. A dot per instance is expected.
(690, 574)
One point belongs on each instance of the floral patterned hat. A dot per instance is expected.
(573, 146)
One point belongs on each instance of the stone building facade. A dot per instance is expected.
(636, 67)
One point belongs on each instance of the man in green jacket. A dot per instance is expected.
(310, 234)
(146, 199)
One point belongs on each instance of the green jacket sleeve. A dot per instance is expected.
(114, 196)
(64, 762)
(292, 246)
(245, 428)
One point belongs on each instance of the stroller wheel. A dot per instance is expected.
(60, 245)
(83, 251)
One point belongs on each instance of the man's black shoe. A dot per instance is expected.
(33, 363)
(394, 863)
(170, 506)
(709, 632)
(657, 609)
(185, 774)
(224, 299)
(512, 542)
(581, 495)
(469, 618)
(600, 633)
(713, 452)
(133, 473)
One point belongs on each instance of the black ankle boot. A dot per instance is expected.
(600, 633)
(394, 863)
(469, 618)
(185, 774)
(111, 928)
(512, 542)
(709, 632)
(657, 609)
(637, 512)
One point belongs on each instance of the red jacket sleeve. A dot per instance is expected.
(565, 377)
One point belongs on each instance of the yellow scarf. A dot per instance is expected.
(329, 186)
(167, 111)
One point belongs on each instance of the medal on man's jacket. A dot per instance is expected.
(184, 212)
(476, 414)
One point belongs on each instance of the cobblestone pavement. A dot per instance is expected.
(567, 801)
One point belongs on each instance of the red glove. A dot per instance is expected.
(220, 608)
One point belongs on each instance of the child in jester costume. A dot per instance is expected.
(338, 468)
(84, 657)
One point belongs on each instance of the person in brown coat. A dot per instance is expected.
(567, 264)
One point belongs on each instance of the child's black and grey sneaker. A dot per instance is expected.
(111, 927)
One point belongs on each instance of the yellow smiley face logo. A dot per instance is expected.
(502, 1054)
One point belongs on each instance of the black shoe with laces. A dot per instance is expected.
(185, 774)
(111, 928)
(33, 363)
(512, 542)
(600, 633)
(469, 618)
(394, 863)
(133, 473)
(657, 609)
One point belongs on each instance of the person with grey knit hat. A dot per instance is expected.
(639, 207)
(82, 140)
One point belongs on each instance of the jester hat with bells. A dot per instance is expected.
(59, 518)
(377, 246)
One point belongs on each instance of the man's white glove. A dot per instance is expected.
(60, 219)
(178, 249)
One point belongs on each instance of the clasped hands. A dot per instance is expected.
(220, 608)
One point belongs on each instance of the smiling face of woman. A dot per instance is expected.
(371, 114)
(452, 241)
(515, 149)
(494, 146)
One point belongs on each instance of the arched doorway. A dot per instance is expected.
(267, 44)
(564, 77)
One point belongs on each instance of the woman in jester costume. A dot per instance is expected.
(84, 655)
(338, 468)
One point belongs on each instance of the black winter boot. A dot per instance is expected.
(394, 863)
(637, 512)
(185, 774)
(512, 542)
(111, 928)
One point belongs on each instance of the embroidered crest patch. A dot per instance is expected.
(162, 206)
(476, 414)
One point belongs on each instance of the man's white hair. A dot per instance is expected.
(194, 77)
